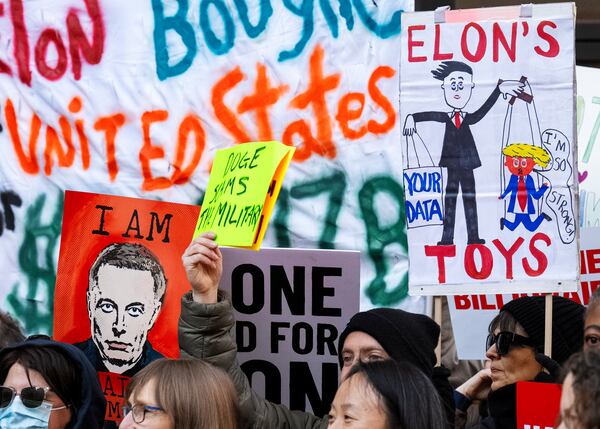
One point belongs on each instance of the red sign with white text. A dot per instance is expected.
(538, 405)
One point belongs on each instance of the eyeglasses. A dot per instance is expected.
(31, 397)
(504, 340)
(138, 412)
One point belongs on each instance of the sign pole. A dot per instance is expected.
(437, 317)
(548, 326)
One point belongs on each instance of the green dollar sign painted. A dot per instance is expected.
(36, 310)
(280, 220)
(378, 237)
(334, 185)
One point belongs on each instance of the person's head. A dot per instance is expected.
(126, 288)
(386, 333)
(181, 394)
(457, 78)
(591, 328)
(581, 391)
(386, 395)
(10, 330)
(49, 383)
(521, 158)
(516, 335)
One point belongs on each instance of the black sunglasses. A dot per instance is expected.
(32, 397)
(504, 340)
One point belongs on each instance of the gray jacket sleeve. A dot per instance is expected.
(206, 332)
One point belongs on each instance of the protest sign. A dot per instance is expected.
(489, 159)
(538, 405)
(472, 314)
(145, 92)
(119, 284)
(290, 307)
(588, 131)
(242, 189)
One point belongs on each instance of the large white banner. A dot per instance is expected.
(487, 105)
(290, 306)
(133, 98)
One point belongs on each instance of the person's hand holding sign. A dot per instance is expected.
(203, 265)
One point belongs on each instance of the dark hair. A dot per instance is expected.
(57, 368)
(585, 369)
(504, 321)
(192, 392)
(10, 330)
(447, 67)
(409, 398)
(133, 256)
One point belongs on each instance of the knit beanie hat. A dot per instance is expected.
(404, 336)
(567, 323)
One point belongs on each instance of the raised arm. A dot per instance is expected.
(206, 332)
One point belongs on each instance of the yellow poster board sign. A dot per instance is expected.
(242, 189)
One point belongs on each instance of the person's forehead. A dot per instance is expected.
(144, 395)
(593, 316)
(17, 377)
(361, 341)
(356, 394)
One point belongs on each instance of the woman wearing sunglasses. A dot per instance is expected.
(514, 348)
(181, 394)
(47, 384)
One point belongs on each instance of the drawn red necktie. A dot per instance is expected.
(522, 193)
(457, 119)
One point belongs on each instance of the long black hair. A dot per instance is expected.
(407, 395)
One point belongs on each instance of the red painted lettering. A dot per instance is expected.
(481, 42)
(541, 258)
(508, 254)
(553, 46)
(487, 261)
(441, 252)
(437, 55)
(415, 43)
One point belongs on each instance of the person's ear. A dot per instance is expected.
(442, 86)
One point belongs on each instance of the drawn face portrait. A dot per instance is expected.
(122, 307)
(458, 87)
(519, 166)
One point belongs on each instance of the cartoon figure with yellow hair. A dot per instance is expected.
(520, 159)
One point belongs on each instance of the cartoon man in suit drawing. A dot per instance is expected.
(520, 158)
(459, 152)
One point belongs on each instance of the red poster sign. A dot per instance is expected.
(538, 405)
(120, 281)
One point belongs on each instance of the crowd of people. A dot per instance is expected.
(389, 373)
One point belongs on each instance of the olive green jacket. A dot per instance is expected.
(206, 332)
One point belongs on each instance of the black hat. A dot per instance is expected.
(404, 336)
(567, 323)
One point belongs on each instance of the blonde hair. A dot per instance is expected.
(193, 393)
(524, 150)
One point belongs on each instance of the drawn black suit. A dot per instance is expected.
(460, 157)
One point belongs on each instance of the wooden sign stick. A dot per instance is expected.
(548, 326)
(437, 317)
